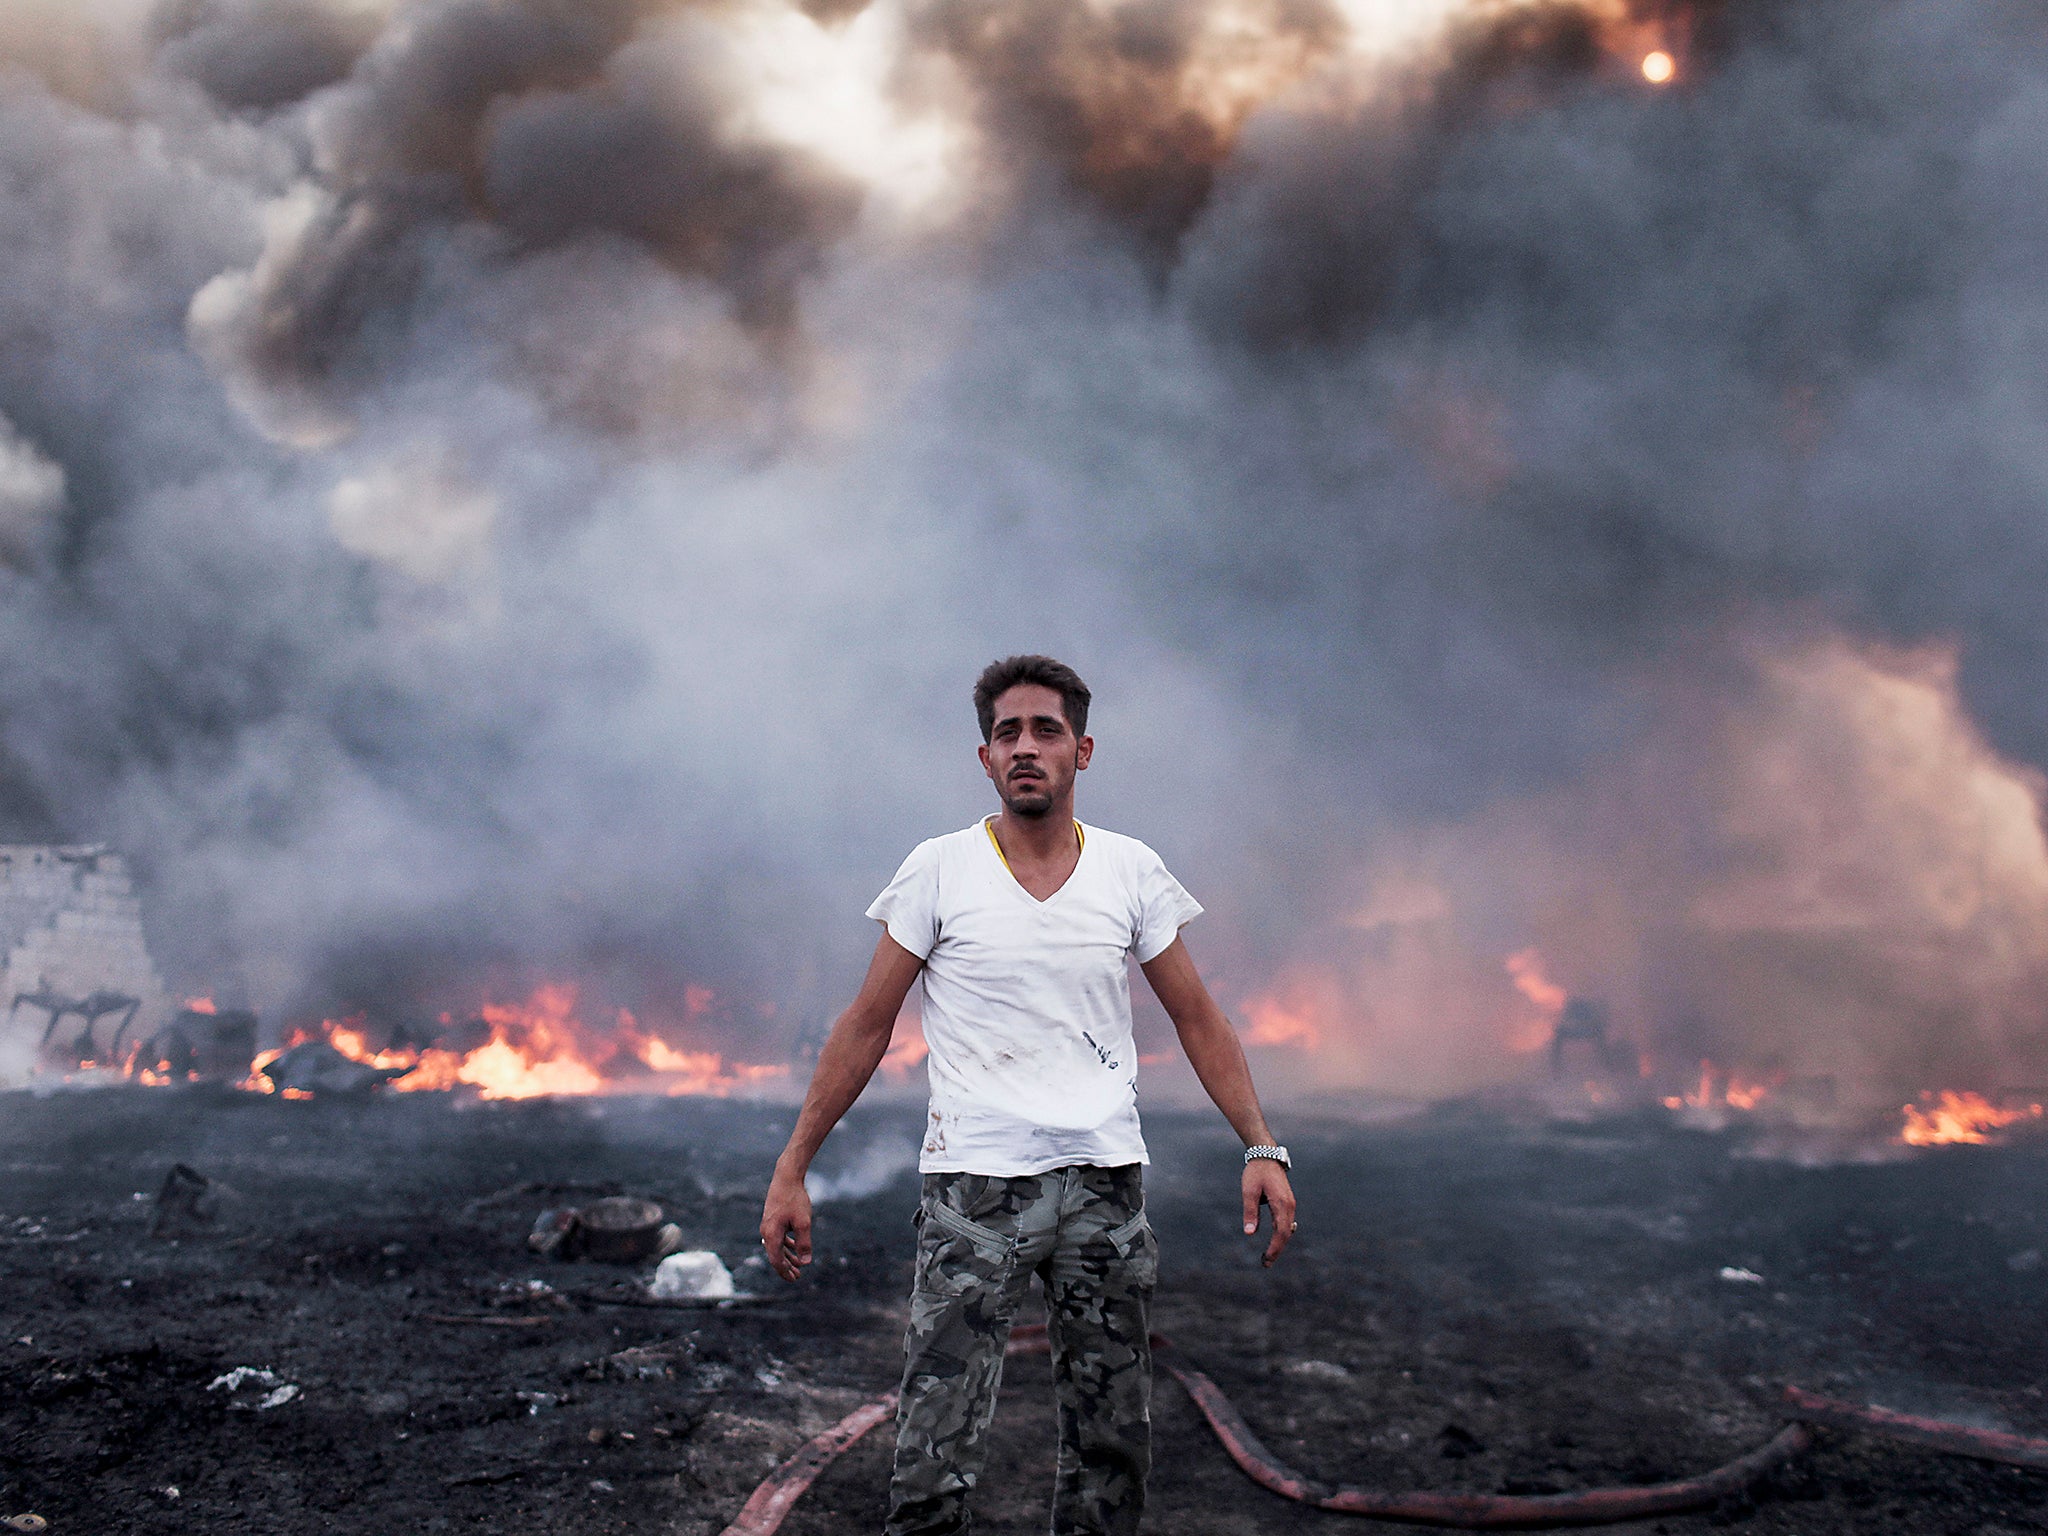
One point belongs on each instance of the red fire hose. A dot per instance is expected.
(763, 1512)
(1483, 1511)
(1935, 1434)
(771, 1502)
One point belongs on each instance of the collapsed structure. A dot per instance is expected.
(78, 968)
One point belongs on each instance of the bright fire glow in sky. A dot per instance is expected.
(829, 89)
(836, 89)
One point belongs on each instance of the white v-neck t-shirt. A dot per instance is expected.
(1027, 1003)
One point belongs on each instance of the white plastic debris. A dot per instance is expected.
(232, 1381)
(698, 1274)
(277, 1392)
(1741, 1276)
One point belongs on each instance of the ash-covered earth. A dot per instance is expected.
(1477, 1300)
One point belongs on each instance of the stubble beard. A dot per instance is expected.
(1031, 804)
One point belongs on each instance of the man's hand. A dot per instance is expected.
(1265, 1183)
(1218, 1059)
(852, 1052)
(786, 1226)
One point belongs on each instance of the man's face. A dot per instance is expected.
(1033, 754)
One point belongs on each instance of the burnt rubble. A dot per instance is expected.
(186, 1205)
(615, 1229)
(1475, 1303)
(315, 1067)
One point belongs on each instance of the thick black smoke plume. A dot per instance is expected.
(517, 487)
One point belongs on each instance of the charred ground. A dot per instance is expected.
(1476, 1300)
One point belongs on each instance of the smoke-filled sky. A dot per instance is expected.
(493, 488)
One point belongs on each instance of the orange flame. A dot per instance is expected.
(906, 1049)
(540, 1047)
(255, 1082)
(1949, 1118)
(1734, 1092)
(1742, 1095)
(1525, 966)
(1276, 1024)
(1653, 44)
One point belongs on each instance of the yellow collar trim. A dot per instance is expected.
(988, 825)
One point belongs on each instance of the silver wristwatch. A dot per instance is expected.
(1277, 1154)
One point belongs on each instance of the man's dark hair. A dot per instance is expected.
(998, 677)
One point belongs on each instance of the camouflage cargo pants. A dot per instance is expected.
(1083, 1231)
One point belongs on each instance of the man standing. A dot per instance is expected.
(1032, 1155)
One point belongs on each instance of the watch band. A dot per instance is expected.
(1277, 1154)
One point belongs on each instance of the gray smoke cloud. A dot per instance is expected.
(483, 502)
(259, 55)
(477, 134)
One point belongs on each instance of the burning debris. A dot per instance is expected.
(316, 1067)
(508, 1051)
(1585, 1021)
(1715, 1092)
(201, 1044)
(1949, 1118)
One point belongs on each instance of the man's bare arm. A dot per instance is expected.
(1218, 1059)
(852, 1052)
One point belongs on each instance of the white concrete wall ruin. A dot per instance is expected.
(70, 924)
